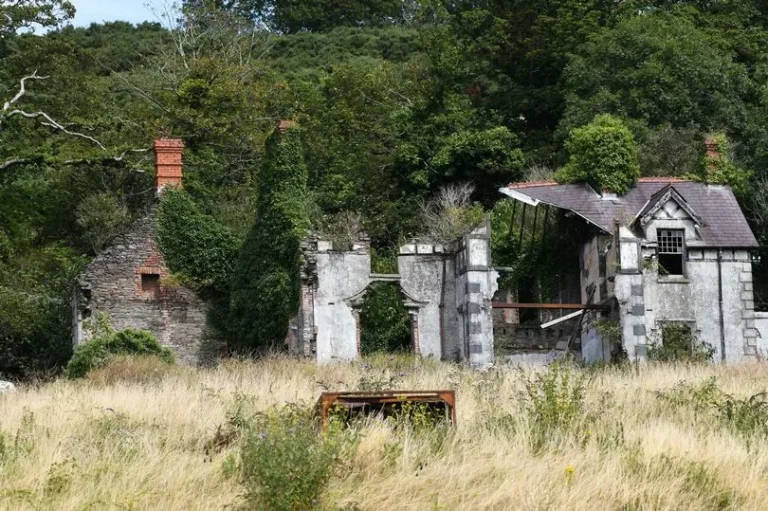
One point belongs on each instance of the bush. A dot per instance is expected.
(102, 349)
(555, 402)
(140, 369)
(679, 344)
(287, 460)
(603, 154)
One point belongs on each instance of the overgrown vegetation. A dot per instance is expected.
(102, 350)
(265, 292)
(287, 460)
(677, 343)
(604, 154)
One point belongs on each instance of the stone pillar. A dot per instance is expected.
(630, 294)
(476, 285)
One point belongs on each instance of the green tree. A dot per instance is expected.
(603, 154)
(658, 69)
(289, 16)
(265, 292)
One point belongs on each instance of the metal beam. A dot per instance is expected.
(561, 319)
(581, 306)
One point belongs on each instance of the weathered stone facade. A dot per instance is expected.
(670, 251)
(129, 282)
(447, 293)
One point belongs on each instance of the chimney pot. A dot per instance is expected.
(168, 163)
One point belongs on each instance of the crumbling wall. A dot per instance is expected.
(424, 276)
(447, 292)
(648, 300)
(112, 284)
(328, 324)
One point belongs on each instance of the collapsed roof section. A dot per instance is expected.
(714, 207)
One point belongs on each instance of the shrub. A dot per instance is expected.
(603, 154)
(679, 344)
(450, 214)
(555, 402)
(721, 169)
(287, 460)
(100, 350)
(141, 369)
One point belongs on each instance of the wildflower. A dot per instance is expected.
(569, 473)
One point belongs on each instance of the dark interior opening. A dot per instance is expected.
(671, 264)
(150, 284)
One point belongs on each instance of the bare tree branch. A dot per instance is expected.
(15, 161)
(48, 120)
(53, 124)
(22, 89)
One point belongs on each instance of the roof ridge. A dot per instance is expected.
(663, 180)
(531, 184)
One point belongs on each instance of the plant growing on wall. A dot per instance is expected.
(195, 246)
(265, 292)
(603, 154)
(677, 343)
(719, 167)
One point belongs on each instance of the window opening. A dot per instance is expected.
(671, 251)
(150, 284)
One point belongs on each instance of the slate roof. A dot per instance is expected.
(723, 223)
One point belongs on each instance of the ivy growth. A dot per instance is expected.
(719, 167)
(266, 289)
(195, 246)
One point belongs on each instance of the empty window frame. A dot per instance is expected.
(150, 284)
(671, 251)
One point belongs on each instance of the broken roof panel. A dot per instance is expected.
(723, 223)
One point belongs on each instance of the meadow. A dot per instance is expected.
(240, 436)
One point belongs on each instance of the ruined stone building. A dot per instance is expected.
(128, 281)
(447, 291)
(670, 251)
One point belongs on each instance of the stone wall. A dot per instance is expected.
(112, 284)
(447, 293)
(648, 300)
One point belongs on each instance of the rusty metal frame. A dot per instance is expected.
(579, 306)
(352, 400)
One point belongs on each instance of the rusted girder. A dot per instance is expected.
(582, 306)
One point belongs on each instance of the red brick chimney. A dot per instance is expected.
(168, 162)
(713, 154)
(283, 126)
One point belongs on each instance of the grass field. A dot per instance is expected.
(616, 438)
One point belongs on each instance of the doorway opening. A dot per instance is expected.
(385, 323)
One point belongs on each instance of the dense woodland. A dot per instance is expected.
(393, 99)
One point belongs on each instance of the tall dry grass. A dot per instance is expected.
(96, 445)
